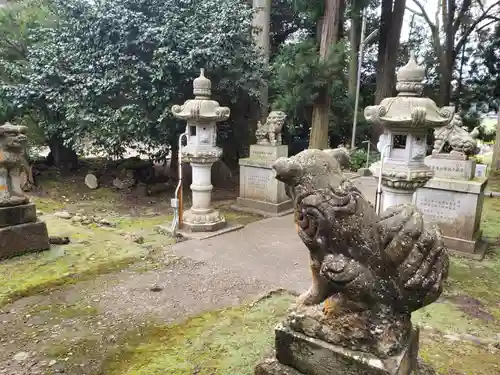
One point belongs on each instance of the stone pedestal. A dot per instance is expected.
(20, 232)
(298, 354)
(259, 191)
(201, 217)
(393, 197)
(454, 200)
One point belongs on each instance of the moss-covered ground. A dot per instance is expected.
(223, 342)
(93, 250)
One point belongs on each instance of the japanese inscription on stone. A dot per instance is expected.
(439, 208)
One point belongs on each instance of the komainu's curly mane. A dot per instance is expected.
(370, 271)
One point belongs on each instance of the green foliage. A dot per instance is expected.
(299, 77)
(110, 71)
(17, 21)
(358, 159)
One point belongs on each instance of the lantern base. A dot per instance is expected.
(203, 222)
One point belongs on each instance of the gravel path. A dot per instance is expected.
(70, 329)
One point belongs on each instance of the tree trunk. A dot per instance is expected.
(391, 22)
(448, 58)
(262, 21)
(61, 156)
(330, 34)
(495, 163)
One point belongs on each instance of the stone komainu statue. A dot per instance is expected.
(370, 271)
(13, 141)
(271, 131)
(456, 138)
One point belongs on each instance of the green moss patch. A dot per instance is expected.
(223, 342)
(450, 357)
(91, 251)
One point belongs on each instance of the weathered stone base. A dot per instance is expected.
(14, 215)
(260, 192)
(263, 208)
(456, 206)
(299, 354)
(23, 238)
(468, 249)
(186, 234)
(204, 227)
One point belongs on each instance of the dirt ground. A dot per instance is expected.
(118, 300)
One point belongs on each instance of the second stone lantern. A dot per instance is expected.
(405, 119)
(202, 115)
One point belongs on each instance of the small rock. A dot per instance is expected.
(134, 238)
(58, 240)
(21, 356)
(63, 215)
(105, 222)
(52, 363)
(39, 213)
(156, 288)
(77, 219)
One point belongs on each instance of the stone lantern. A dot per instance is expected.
(202, 115)
(406, 120)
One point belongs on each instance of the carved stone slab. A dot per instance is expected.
(456, 206)
(14, 215)
(451, 168)
(311, 356)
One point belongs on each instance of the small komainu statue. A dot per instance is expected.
(271, 131)
(369, 272)
(454, 137)
(13, 141)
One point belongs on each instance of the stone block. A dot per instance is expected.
(268, 152)
(311, 356)
(23, 238)
(456, 206)
(452, 168)
(14, 215)
(260, 192)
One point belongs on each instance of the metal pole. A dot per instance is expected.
(176, 202)
(358, 80)
(379, 185)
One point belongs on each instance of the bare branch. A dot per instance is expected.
(471, 28)
(463, 10)
(424, 14)
(414, 12)
(481, 5)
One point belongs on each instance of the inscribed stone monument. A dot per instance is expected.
(454, 197)
(20, 231)
(369, 273)
(259, 190)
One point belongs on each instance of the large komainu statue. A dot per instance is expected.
(370, 271)
(13, 141)
(271, 131)
(455, 138)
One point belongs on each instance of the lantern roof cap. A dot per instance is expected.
(411, 72)
(202, 86)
